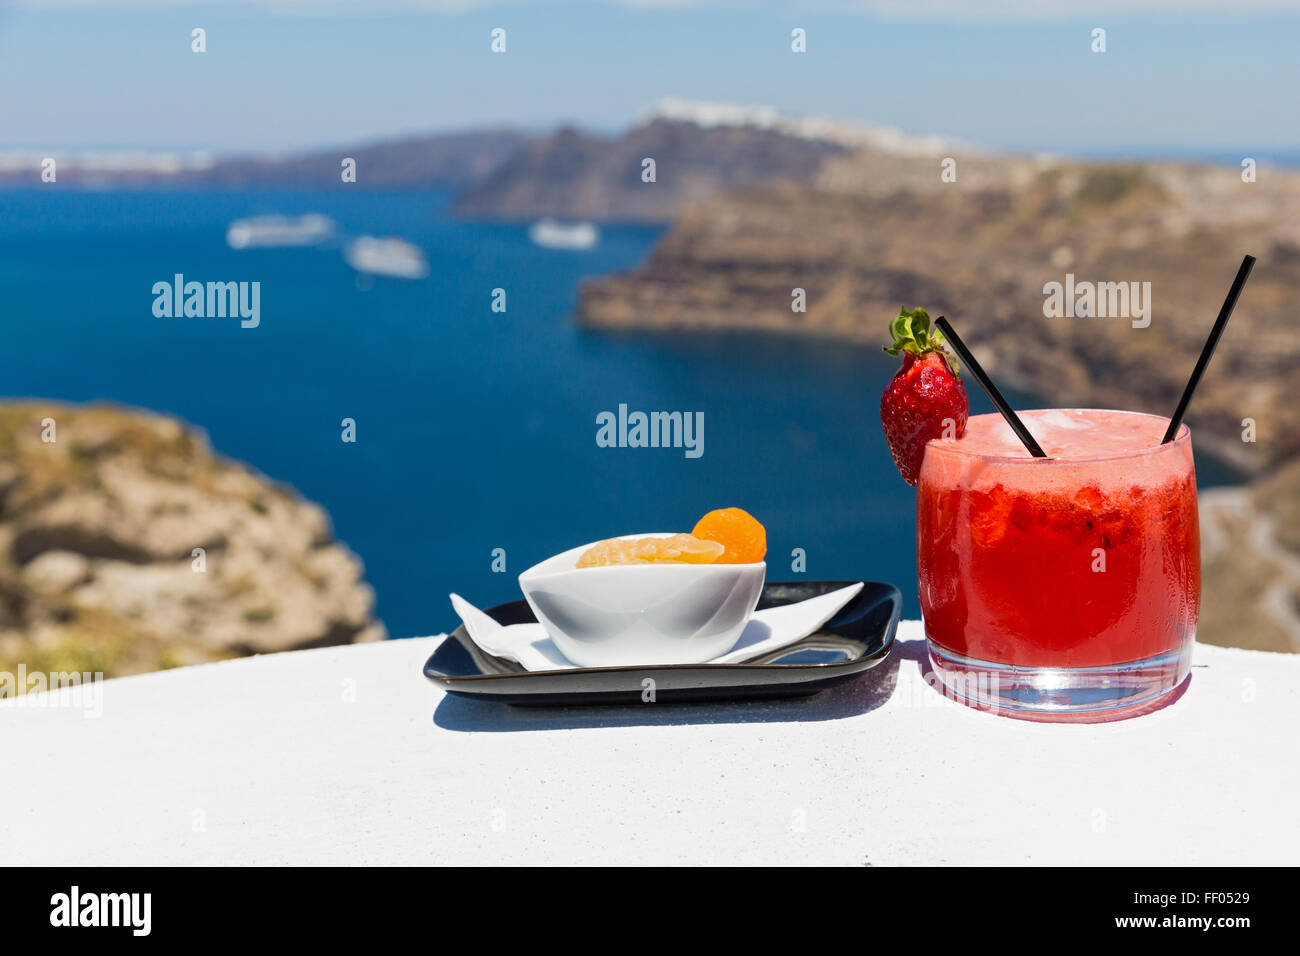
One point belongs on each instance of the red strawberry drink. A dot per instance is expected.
(1065, 588)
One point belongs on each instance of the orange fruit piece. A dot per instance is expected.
(674, 549)
(739, 532)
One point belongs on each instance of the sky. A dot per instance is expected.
(279, 75)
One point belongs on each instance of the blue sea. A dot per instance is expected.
(475, 430)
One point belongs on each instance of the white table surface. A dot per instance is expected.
(348, 755)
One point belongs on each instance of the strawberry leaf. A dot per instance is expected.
(911, 333)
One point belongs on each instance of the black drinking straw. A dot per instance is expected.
(990, 389)
(1211, 343)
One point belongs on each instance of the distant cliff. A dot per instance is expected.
(98, 536)
(443, 160)
(418, 162)
(874, 232)
(698, 150)
(575, 175)
(1250, 557)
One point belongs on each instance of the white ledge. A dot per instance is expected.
(348, 755)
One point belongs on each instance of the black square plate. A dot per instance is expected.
(856, 639)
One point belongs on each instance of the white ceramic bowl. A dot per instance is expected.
(642, 614)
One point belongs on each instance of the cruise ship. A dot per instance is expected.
(267, 232)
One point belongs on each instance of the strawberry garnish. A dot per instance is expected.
(925, 399)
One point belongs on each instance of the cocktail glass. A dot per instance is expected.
(1064, 588)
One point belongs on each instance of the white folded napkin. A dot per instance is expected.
(766, 631)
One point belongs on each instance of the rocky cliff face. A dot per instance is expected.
(574, 175)
(126, 545)
(875, 232)
(1250, 554)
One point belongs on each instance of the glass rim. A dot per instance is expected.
(1183, 437)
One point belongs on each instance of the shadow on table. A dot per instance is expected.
(864, 693)
(861, 695)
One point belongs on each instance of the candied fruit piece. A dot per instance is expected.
(736, 530)
(674, 549)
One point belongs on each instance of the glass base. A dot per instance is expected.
(1066, 694)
